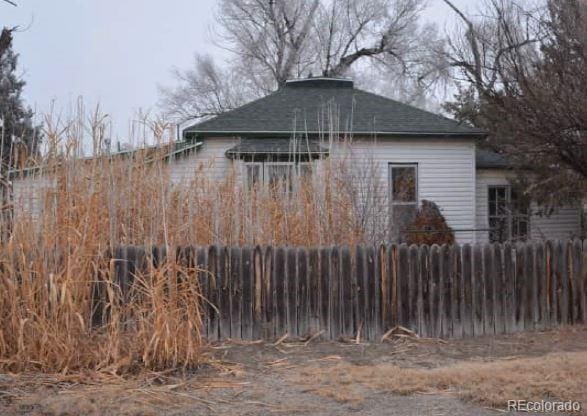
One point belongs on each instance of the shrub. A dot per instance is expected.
(429, 226)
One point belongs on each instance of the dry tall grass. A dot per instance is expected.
(50, 262)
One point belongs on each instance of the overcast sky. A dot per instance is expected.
(116, 52)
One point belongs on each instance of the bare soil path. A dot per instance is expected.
(402, 376)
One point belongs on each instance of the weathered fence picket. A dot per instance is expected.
(342, 293)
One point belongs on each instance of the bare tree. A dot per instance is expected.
(274, 40)
(350, 30)
(521, 74)
(269, 34)
(207, 90)
(485, 51)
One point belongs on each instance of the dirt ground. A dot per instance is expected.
(401, 376)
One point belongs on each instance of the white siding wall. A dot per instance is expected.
(446, 174)
(209, 160)
(562, 224)
(28, 195)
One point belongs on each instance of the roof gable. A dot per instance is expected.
(320, 105)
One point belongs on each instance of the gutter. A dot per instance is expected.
(212, 133)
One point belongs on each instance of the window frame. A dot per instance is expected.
(399, 234)
(511, 216)
(247, 181)
(392, 165)
(264, 165)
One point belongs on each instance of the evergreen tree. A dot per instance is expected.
(19, 135)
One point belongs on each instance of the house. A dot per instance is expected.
(415, 154)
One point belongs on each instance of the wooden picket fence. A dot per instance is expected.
(343, 293)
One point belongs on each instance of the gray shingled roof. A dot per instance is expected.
(313, 105)
(486, 159)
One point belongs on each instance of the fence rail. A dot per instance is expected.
(437, 291)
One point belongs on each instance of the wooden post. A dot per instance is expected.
(382, 261)
(467, 291)
(414, 270)
(346, 271)
(444, 289)
(372, 283)
(315, 285)
(552, 281)
(455, 291)
(579, 275)
(213, 298)
(403, 278)
(520, 282)
(235, 285)
(541, 286)
(325, 290)
(434, 311)
(488, 274)
(393, 285)
(279, 285)
(224, 295)
(423, 282)
(268, 296)
(478, 305)
(530, 289)
(198, 257)
(563, 282)
(248, 293)
(362, 291)
(565, 279)
(509, 288)
(291, 290)
(356, 276)
(335, 304)
(379, 279)
(258, 294)
(223, 279)
(303, 293)
(499, 298)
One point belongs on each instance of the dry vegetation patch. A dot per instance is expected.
(71, 214)
(557, 375)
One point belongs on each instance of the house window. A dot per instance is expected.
(279, 175)
(507, 214)
(254, 174)
(276, 175)
(403, 179)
